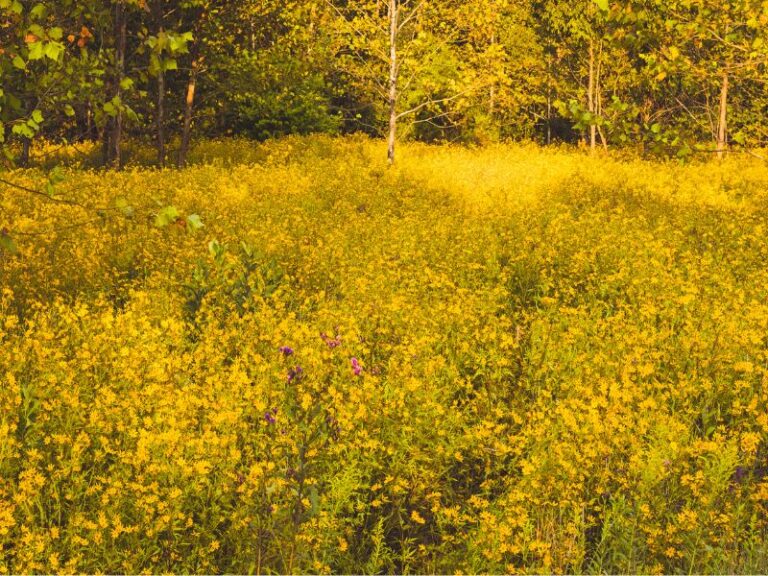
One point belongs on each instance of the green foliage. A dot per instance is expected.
(167, 216)
(7, 243)
(472, 71)
(280, 98)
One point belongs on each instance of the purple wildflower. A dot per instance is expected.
(269, 417)
(295, 374)
(331, 342)
(356, 368)
(286, 350)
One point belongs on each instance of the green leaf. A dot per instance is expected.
(216, 250)
(23, 130)
(194, 222)
(19, 63)
(56, 176)
(314, 499)
(131, 114)
(125, 208)
(602, 4)
(36, 51)
(68, 110)
(166, 217)
(54, 50)
(7, 244)
(37, 116)
(38, 12)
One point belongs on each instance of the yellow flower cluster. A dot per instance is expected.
(499, 360)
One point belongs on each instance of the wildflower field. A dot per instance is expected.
(502, 360)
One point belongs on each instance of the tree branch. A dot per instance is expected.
(430, 101)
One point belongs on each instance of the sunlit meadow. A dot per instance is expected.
(503, 360)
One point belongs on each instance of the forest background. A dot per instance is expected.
(673, 77)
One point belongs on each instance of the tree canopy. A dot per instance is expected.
(669, 77)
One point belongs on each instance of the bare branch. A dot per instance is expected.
(414, 11)
(28, 190)
(383, 56)
(429, 102)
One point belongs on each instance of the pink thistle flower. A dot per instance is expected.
(356, 368)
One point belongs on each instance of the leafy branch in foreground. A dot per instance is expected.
(164, 217)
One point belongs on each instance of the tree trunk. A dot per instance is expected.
(105, 134)
(161, 118)
(188, 109)
(122, 23)
(722, 126)
(160, 103)
(392, 81)
(113, 134)
(492, 101)
(492, 95)
(549, 95)
(88, 121)
(599, 94)
(591, 96)
(26, 145)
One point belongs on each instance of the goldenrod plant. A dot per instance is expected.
(508, 360)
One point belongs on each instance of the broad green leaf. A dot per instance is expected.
(54, 50)
(22, 129)
(56, 176)
(194, 222)
(38, 11)
(131, 114)
(166, 217)
(36, 51)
